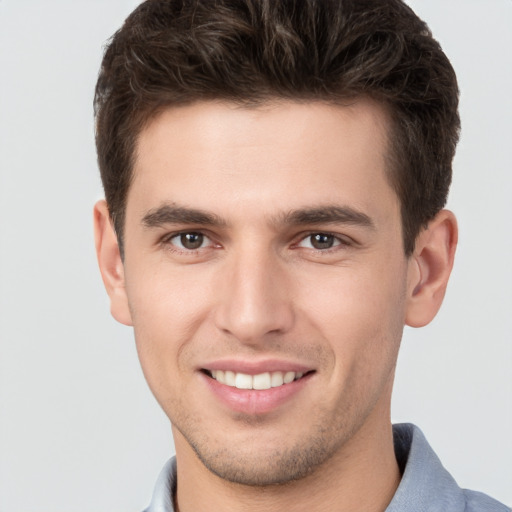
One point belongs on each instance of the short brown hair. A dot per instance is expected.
(175, 52)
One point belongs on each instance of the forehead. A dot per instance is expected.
(279, 155)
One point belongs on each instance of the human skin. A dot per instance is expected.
(258, 294)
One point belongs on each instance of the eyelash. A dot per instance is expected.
(341, 242)
(167, 242)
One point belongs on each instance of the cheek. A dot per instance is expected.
(359, 312)
(348, 295)
(167, 309)
(362, 325)
(167, 300)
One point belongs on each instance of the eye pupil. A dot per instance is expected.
(322, 241)
(192, 240)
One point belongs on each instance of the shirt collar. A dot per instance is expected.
(425, 484)
(165, 489)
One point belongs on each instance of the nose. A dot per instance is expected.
(255, 300)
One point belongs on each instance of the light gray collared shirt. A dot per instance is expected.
(425, 486)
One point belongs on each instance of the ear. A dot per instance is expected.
(429, 268)
(111, 264)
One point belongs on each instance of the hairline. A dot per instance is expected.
(144, 117)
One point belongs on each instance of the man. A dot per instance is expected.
(275, 175)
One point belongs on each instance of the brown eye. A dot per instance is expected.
(189, 241)
(320, 241)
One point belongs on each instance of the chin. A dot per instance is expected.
(271, 464)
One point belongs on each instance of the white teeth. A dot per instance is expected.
(288, 377)
(276, 379)
(261, 381)
(230, 378)
(243, 381)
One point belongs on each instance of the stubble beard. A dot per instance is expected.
(270, 466)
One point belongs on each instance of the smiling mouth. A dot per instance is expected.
(261, 381)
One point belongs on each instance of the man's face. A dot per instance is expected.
(262, 246)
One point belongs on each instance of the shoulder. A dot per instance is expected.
(426, 485)
(480, 502)
(165, 489)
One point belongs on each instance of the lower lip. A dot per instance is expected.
(252, 401)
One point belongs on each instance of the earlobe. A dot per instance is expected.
(110, 263)
(430, 267)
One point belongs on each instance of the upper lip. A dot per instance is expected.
(256, 367)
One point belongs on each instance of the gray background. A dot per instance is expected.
(79, 430)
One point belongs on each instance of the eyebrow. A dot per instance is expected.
(174, 214)
(330, 214)
(326, 215)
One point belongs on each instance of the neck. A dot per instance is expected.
(362, 476)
